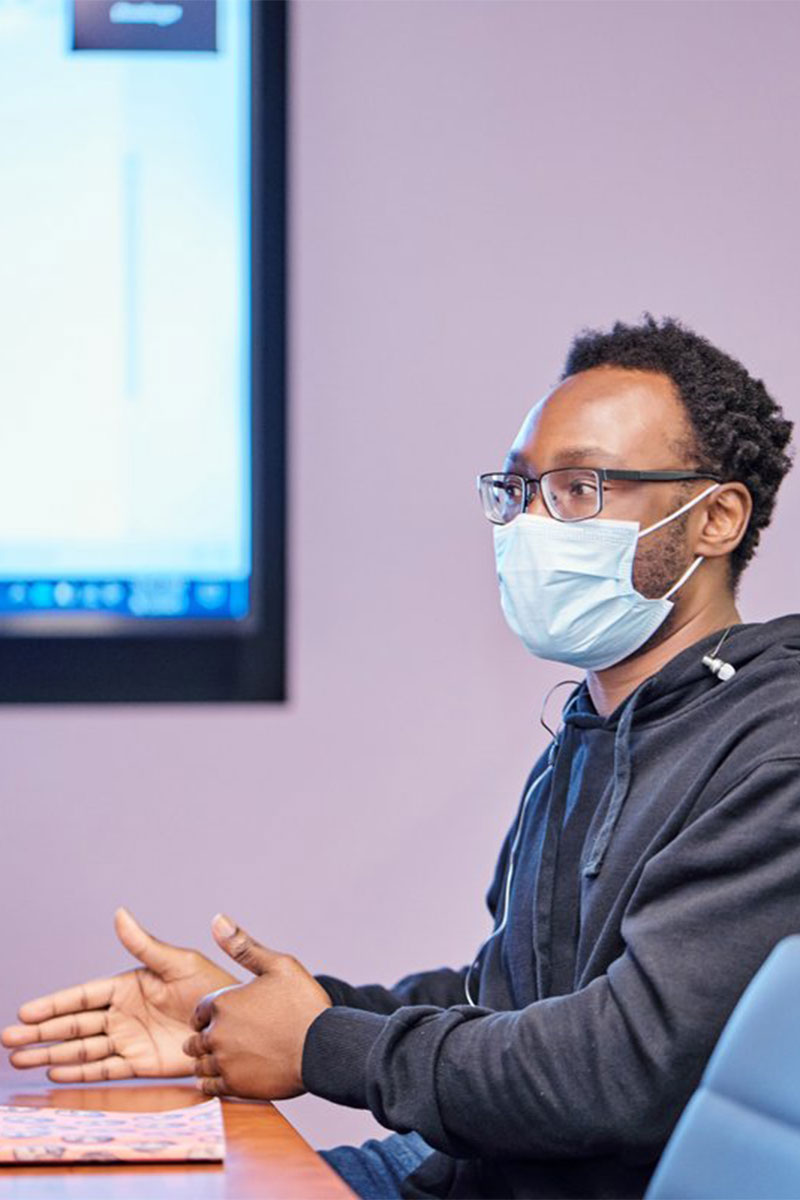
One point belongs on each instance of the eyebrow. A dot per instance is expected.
(584, 455)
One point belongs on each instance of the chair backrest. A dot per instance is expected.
(739, 1136)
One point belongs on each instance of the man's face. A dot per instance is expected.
(611, 417)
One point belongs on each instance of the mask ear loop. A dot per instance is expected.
(679, 512)
(554, 733)
(687, 574)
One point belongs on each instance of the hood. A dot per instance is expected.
(685, 680)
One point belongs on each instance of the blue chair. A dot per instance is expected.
(739, 1135)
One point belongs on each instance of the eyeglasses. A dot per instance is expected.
(569, 493)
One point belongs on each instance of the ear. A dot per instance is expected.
(724, 520)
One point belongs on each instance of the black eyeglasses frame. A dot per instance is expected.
(532, 484)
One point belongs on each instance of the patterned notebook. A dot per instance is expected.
(65, 1135)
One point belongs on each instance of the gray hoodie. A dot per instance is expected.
(657, 864)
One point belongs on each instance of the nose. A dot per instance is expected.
(537, 507)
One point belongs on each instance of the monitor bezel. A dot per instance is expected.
(207, 661)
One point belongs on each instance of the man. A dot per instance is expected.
(656, 852)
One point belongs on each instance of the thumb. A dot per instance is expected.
(244, 949)
(158, 956)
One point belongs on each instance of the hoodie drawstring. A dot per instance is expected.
(622, 783)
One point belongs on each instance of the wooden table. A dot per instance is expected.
(266, 1158)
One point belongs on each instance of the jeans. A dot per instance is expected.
(375, 1170)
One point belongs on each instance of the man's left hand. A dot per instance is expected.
(251, 1035)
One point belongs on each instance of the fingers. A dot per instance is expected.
(211, 1085)
(207, 1066)
(204, 1012)
(113, 1067)
(197, 1045)
(60, 1029)
(83, 1050)
(94, 994)
(241, 946)
(158, 956)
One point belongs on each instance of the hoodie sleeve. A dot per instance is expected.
(610, 1067)
(442, 987)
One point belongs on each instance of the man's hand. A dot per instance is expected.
(251, 1039)
(126, 1025)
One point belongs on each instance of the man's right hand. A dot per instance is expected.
(126, 1025)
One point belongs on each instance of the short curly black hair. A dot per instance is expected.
(740, 432)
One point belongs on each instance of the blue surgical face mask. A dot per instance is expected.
(567, 587)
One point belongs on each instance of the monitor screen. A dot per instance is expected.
(132, 406)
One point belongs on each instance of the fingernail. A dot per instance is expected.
(224, 925)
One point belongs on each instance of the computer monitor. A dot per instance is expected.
(142, 358)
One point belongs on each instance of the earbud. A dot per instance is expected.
(717, 666)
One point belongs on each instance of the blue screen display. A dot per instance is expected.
(125, 456)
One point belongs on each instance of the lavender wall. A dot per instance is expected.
(472, 182)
